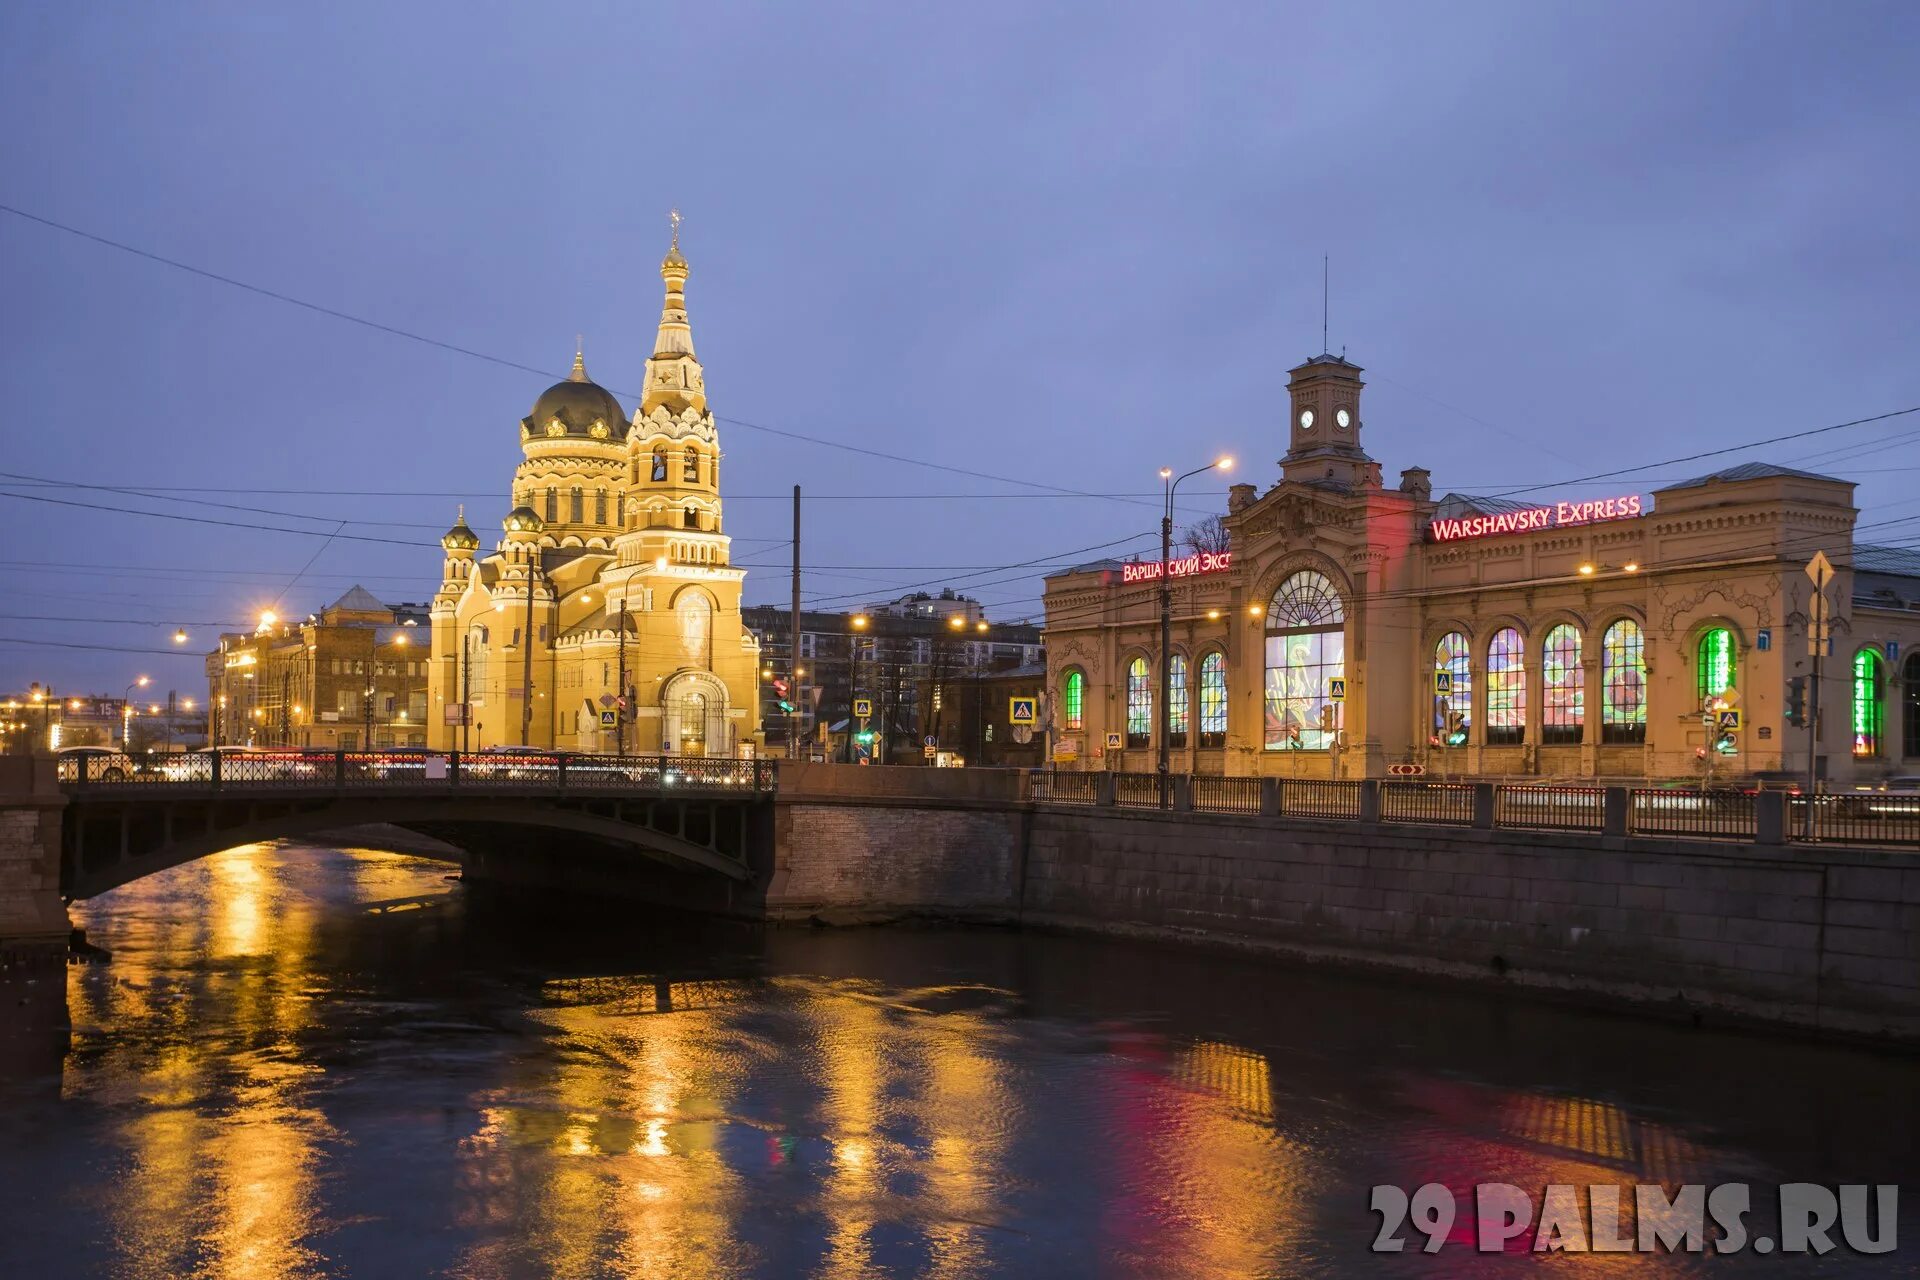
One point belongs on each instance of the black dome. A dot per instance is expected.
(577, 404)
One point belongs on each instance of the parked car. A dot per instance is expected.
(94, 764)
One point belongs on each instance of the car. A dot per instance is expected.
(94, 764)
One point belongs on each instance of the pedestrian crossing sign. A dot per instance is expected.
(1730, 719)
(1443, 683)
(609, 718)
(1337, 689)
(863, 707)
(1020, 710)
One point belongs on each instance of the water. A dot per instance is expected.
(314, 1063)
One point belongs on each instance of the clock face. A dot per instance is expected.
(1342, 420)
(1306, 419)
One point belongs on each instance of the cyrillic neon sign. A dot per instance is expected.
(1185, 567)
(1529, 519)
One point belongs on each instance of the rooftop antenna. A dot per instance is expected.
(1325, 277)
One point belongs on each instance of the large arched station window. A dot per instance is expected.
(1306, 651)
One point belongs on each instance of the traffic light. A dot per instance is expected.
(780, 690)
(1456, 729)
(1724, 744)
(1797, 702)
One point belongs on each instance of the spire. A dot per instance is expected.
(674, 379)
(579, 373)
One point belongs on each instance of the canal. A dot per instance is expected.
(307, 1062)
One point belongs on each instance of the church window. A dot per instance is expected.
(1139, 703)
(1623, 683)
(659, 462)
(1213, 700)
(553, 506)
(1714, 672)
(1564, 707)
(579, 506)
(1506, 688)
(1306, 648)
(599, 506)
(692, 518)
(691, 472)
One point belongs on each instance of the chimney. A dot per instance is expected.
(1418, 482)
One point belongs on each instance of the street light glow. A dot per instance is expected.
(1225, 463)
(179, 637)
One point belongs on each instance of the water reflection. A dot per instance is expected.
(285, 1073)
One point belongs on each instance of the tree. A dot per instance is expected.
(1209, 535)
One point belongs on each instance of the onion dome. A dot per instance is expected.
(460, 537)
(523, 520)
(576, 407)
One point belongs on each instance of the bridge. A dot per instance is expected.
(686, 815)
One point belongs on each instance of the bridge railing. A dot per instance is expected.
(294, 769)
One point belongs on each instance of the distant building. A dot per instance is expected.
(896, 655)
(350, 677)
(974, 718)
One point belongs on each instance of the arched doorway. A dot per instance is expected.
(694, 719)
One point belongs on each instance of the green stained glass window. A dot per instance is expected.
(1869, 725)
(1139, 704)
(1563, 710)
(1177, 711)
(1213, 700)
(1623, 683)
(1714, 672)
(1073, 700)
(1506, 688)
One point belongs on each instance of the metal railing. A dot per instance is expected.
(1213, 793)
(1141, 790)
(1051, 786)
(1857, 817)
(1704, 814)
(293, 769)
(1437, 803)
(1550, 807)
(1319, 798)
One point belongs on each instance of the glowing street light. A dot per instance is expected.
(179, 636)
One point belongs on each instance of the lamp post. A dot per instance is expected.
(126, 708)
(855, 725)
(1166, 610)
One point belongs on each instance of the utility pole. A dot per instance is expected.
(526, 658)
(620, 690)
(1820, 573)
(793, 638)
(466, 690)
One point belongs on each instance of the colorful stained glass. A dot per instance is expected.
(1869, 723)
(1453, 710)
(1623, 683)
(1714, 672)
(1213, 700)
(1563, 711)
(1912, 713)
(1073, 699)
(1139, 704)
(1506, 688)
(1177, 709)
(1306, 648)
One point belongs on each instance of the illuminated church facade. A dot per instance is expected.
(607, 616)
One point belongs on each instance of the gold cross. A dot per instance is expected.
(673, 216)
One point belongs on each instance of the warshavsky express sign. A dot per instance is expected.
(1185, 567)
(1530, 519)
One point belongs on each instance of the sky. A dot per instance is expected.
(1061, 246)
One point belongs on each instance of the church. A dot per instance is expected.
(607, 617)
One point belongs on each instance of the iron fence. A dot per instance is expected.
(1051, 786)
(1723, 814)
(1550, 807)
(1857, 817)
(1142, 791)
(1318, 798)
(1441, 803)
(1213, 793)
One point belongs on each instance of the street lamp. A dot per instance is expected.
(126, 707)
(859, 622)
(179, 636)
(1166, 609)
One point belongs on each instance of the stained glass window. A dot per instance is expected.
(1912, 735)
(1869, 726)
(1563, 709)
(1714, 672)
(1306, 648)
(1139, 704)
(1450, 656)
(1177, 711)
(1506, 688)
(1073, 700)
(1623, 683)
(1213, 700)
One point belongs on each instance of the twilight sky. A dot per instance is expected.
(1061, 244)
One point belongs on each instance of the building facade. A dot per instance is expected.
(1350, 627)
(350, 677)
(607, 618)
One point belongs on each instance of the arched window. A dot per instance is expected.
(659, 462)
(1713, 666)
(1139, 704)
(1073, 700)
(1623, 683)
(1869, 723)
(579, 505)
(1563, 709)
(1177, 710)
(1506, 688)
(692, 519)
(553, 506)
(599, 506)
(1453, 710)
(690, 472)
(1306, 647)
(1911, 747)
(1213, 700)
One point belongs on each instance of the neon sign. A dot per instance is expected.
(1185, 567)
(1529, 519)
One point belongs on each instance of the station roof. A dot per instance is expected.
(1750, 471)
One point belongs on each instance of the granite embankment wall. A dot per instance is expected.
(33, 919)
(1816, 938)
